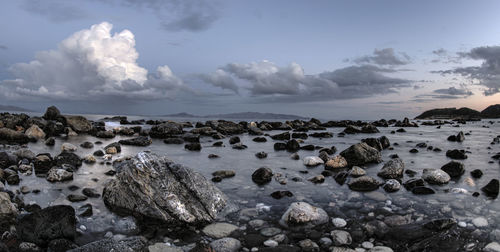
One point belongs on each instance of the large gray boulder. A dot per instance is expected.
(392, 169)
(360, 154)
(10, 136)
(79, 124)
(153, 187)
(130, 244)
(165, 130)
(301, 215)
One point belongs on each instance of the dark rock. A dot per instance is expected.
(159, 189)
(308, 147)
(454, 169)
(422, 190)
(47, 224)
(117, 145)
(239, 146)
(218, 144)
(68, 158)
(300, 135)
(134, 243)
(76, 197)
(87, 145)
(279, 146)
(391, 185)
(341, 177)
(385, 142)
(61, 245)
(193, 146)
(52, 113)
(98, 153)
(43, 163)
(138, 141)
(282, 136)
(259, 139)
(364, 184)
(456, 154)
(281, 194)
(212, 156)
(262, 176)
(350, 129)
(50, 141)
(373, 142)
(491, 189)
(234, 139)
(413, 151)
(392, 169)
(292, 146)
(261, 155)
(79, 124)
(361, 154)
(13, 137)
(440, 224)
(421, 145)
(476, 173)
(105, 134)
(458, 138)
(190, 137)
(255, 131)
(173, 141)
(6, 160)
(85, 210)
(321, 135)
(91, 193)
(224, 173)
(412, 183)
(401, 130)
(165, 130)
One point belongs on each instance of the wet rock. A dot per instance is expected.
(105, 134)
(282, 136)
(259, 139)
(61, 245)
(321, 135)
(435, 176)
(252, 130)
(52, 113)
(295, 156)
(234, 139)
(50, 141)
(413, 151)
(292, 146)
(239, 146)
(174, 140)
(13, 137)
(163, 247)
(138, 141)
(301, 215)
(440, 224)
(422, 190)
(262, 176)
(339, 222)
(68, 147)
(76, 197)
(134, 243)
(85, 210)
(391, 185)
(454, 169)
(392, 169)
(224, 173)
(412, 183)
(317, 179)
(476, 173)
(360, 154)
(165, 130)
(13, 179)
(47, 224)
(162, 190)
(350, 129)
(43, 163)
(312, 161)
(357, 171)
(385, 142)
(308, 245)
(78, 123)
(99, 153)
(458, 138)
(480, 222)
(279, 146)
(193, 146)
(89, 159)
(341, 177)
(8, 211)
(491, 189)
(226, 245)
(492, 247)
(219, 230)
(337, 162)
(261, 155)
(281, 194)
(87, 145)
(57, 175)
(68, 158)
(212, 156)
(456, 154)
(364, 184)
(341, 237)
(91, 192)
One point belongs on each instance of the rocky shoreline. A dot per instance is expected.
(160, 205)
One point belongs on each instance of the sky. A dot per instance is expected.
(326, 59)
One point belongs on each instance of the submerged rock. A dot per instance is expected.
(156, 188)
(263, 175)
(301, 215)
(364, 184)
(456, 154)
(138, 141)
(435, 176)
(360, 154)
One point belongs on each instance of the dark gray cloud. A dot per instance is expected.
(268, 81)
(444, 93)
(487, 74)
(220, 79)
(454, 91)
(386, 56)
(445, 56)
(173, 15)
(54, 10)
(3, 47)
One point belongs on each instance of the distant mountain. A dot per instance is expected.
(450, 113)
(13, 108)
(492, 111)
(243, 115)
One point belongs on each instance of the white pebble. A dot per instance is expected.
(339, 222)
(271, 243)
(462, 224)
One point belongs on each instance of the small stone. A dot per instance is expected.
(68, 147)
(270, 231)
(226, 245)
(312, 161)
(367, 245)
(339, 222)
(271, 243)
(219, 230)
(480, 222)
(492, 247)
(341, 237)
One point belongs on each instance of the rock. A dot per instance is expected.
(61, 245)
(163, 247)
(6, 160)
(105, 134)
(337, 162)
(219, 230)
(239, 146)
(392, 169)
(292, 146)
(357, 171)
(339, 222)
(458, 138)
(91, 193)
(364, 184)
(163, 191)
(262, 176)
(68, 147)
(341, 177)
(422, 190)
(85, 210)
(99, 153)
(35, 132)
(193, 146)
(138, 141)
(47, 224)
(234, 139)
(317, 179)
(312, 161)
(341, 237)
(271, 243)
(68, 158)
(491, 189)
(89, 159)
(279, 146)
(224, 173)
(308, 245)
(111, 150)
(13, 137)
(480, 222)
(360, 154)
(87, 145)
(456, 154)
(8, 211)
(476, 173)
(281, 194)
(391, 185)
(301, 215)
(259, 139)
(28, 247)
(165, 130)
(454, 169)
(43, 163)
(174, 140)
(350, 129)
(226, 245)
(57, 175)
(282, 136)
(50, 141)
(76, 197)
(295, 156)
(261, 155)
(492, 247)
(128, 244)
(435, 176)
(370, 129)
(52, 113)
(78, 123)
(381, 249)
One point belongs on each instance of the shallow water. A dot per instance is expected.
(329, 195)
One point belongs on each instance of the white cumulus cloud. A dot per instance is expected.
(91, 63)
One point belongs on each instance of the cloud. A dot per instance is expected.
(3, 47)
(290, 83)
(487, 74)
(174, 15)
(54, 10)
(386, 56)
(222, 79)
(444, 93)
(91, 64)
